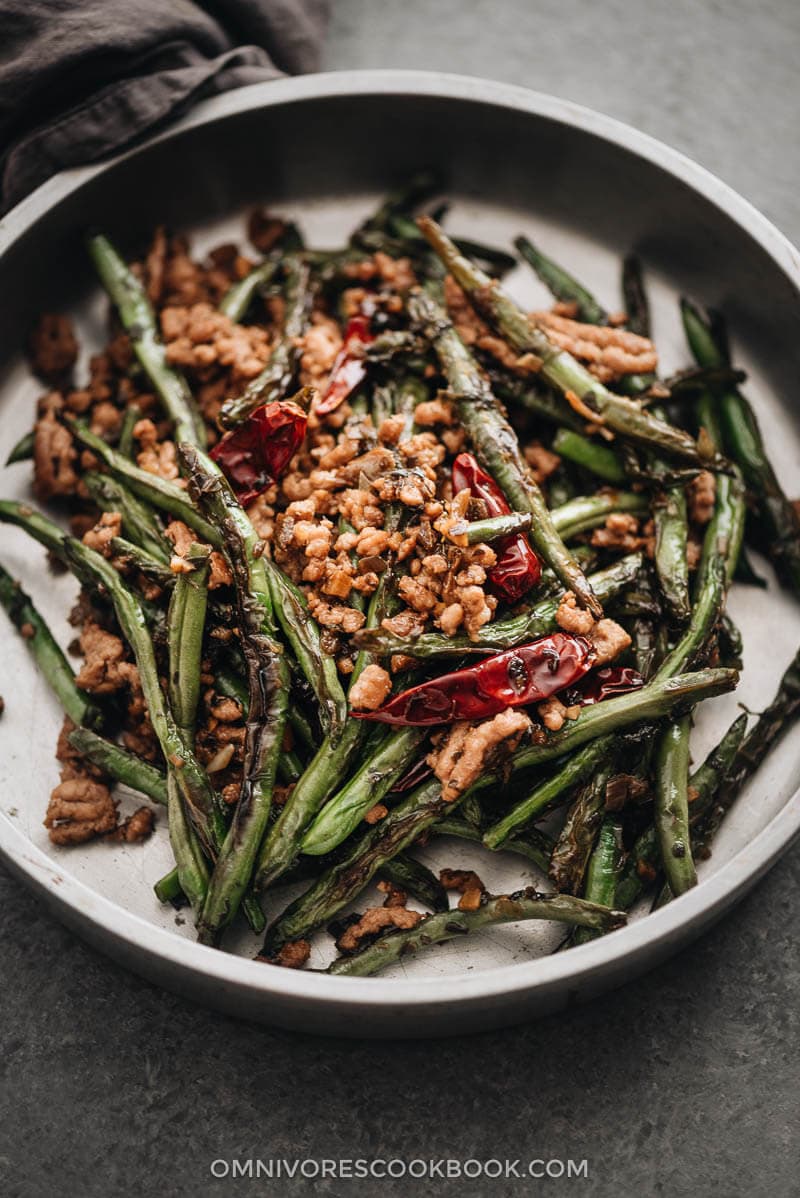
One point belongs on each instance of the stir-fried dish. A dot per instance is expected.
(368, 555)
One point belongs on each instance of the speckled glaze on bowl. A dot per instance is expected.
(324, 146)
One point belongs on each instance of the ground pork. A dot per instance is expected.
(701, 494)
(620, 531)
(105, 668)
(395, 895)
(80, 809)
(261, 514)
(423, 451)
(292, 955)
(330, 615)
(136, 827)
(106, 420)
(553, 713)
(573, 618)
(318, 348)
(395, 273)
(182, 538)
(184, 282)
(199, 337)
(100, 536)
(156, 457)
(373, 922)
(73, 763)
(434, 411)
(470, 748)
(153, 265)
(475, 331)
(694, 551)
(370, 689)
(138, 735)
(543, 462)
(609, 351)
(404, 624)
(360, 509)
(467, 883)
(609, 640)
(54, 452)
(409, 487)
(264, 230)
(53, 347)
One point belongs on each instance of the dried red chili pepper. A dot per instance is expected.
(514, 678)
(602, 684)
(256, 454)
(517, 568)
(349, 369)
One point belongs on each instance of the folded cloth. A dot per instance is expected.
(80, 79)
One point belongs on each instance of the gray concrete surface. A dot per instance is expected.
(683, 1083)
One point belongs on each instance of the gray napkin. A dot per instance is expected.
(80, 79)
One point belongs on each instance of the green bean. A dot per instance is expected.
(559, 368)
(344, 879)
(505, 633)
(588, 511)
(141, 560)
(342, 814)
(417, 880)
(493, 528)
(276, 379)
(347, 877)
(535, 845)
(130, 419)
(671, 561)
(139, 522)
(715, 772)
(302, 632)
(602, 874)
(507, 908)
(36, 525)
(320, 778)
(168, 888)
(496, 444)
(400, 202)
(577, 837)
(721, 544)
(239, 296)
(563, 286)
(743, 440)
(672, 805)
(534, 396)
(46, 653)
(704, 784)
(591, 455)
(658, 699)
(162, 494)
(121, 765)
(139, 321)
(23, 450)
(185, 627)
(770, 727)
(637, 308)
(268, 683)
(541, 799)
(195, 787)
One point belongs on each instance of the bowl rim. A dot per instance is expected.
(642, 940)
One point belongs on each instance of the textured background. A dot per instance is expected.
(686, 1081)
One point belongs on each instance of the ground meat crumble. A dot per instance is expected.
(359, 499)
(467, 750)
